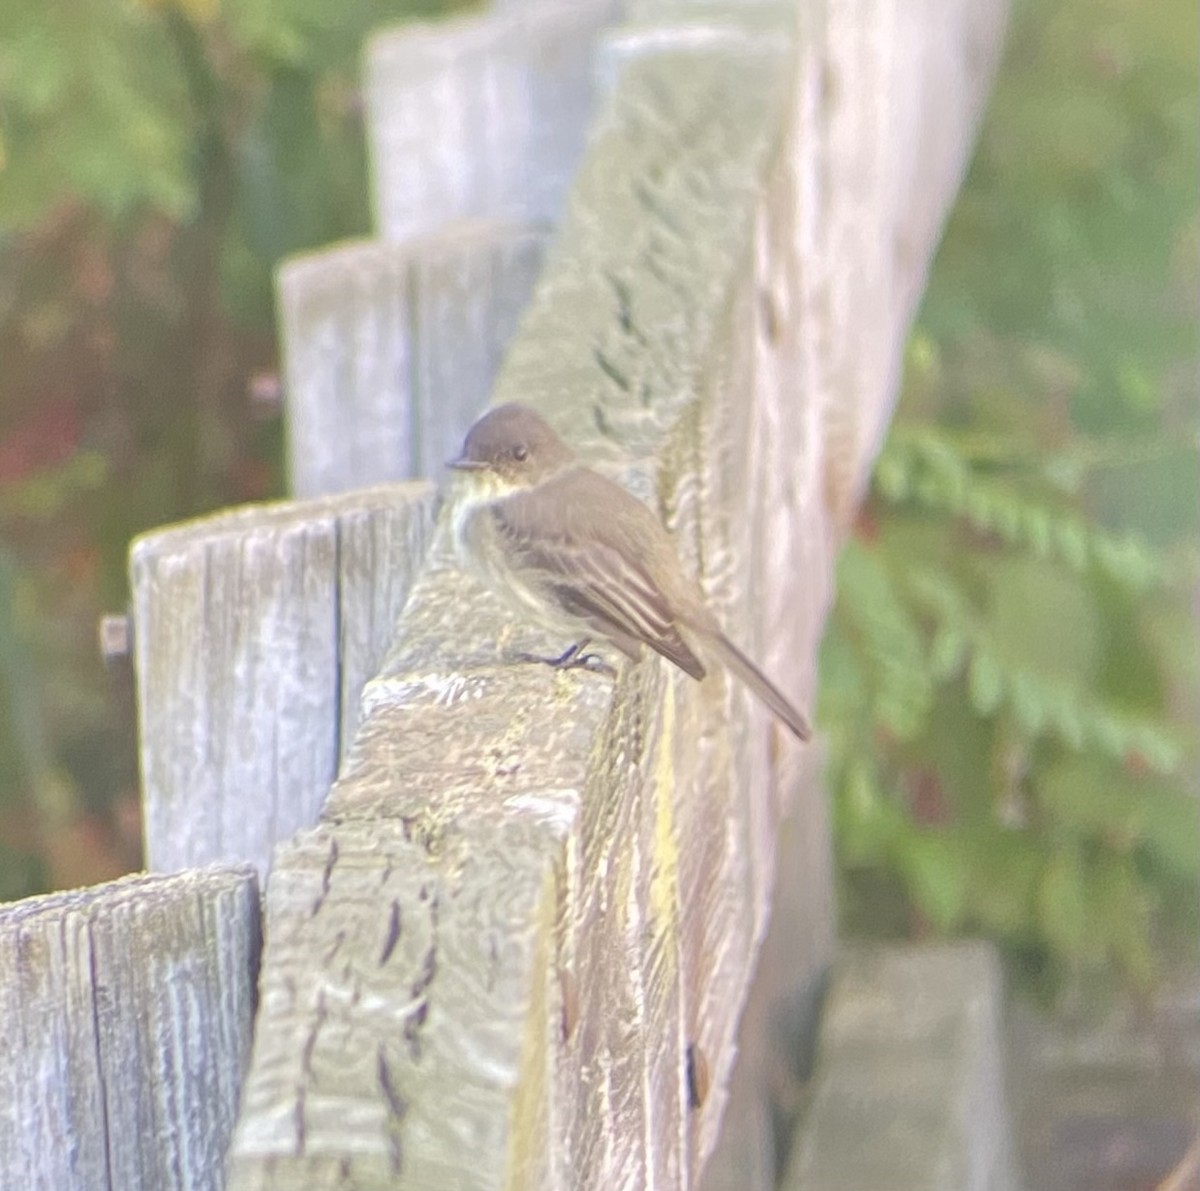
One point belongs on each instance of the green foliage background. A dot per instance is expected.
(1009, 679)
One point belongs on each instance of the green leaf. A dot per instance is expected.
(891, 476)
(1037, 529)
(1072, 543)
(1042, 620)
(1121, 912)
(1004, 869)
(1062, 907)
(867, 820)
(949, 650)
(934, 865)
(1104, 803)
(1048, 404)
(1029, 703)
(94, 107)
(1170, 830)
(1068, 716)
(986, 683)
(889, 639)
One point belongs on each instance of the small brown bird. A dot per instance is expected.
(577, 553)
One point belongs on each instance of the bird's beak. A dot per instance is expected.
(461, 464)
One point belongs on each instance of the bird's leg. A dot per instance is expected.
(576, 659)
(573, 658)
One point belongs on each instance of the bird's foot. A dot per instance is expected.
(573, 659)
(594, 664)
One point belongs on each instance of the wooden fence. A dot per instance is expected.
(516, 921)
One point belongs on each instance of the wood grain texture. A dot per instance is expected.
(255, 631)
(127, 1013)
(886, 104)
(480, 116)
(401, 955)
(391, 349)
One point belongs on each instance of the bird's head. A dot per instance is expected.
(508, 449)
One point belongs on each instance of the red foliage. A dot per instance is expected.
(46, 437)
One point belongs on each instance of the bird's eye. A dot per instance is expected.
(520, 453)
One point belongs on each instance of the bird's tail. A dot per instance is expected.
(760, 686)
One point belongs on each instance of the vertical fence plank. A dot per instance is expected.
(391, 349)
(509, 93)
(254, 633)
(127, 1012)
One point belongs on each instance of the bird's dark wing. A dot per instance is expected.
(584, 553)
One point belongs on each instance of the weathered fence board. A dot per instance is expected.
(254, 633)
(391, 349)
(909, 1094)
(892, 163)
(482, 116)
(127, 1012)
(406, 1035)
(887, 101)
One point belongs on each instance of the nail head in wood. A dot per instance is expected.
(116, 637)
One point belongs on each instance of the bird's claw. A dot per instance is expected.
(573, 659)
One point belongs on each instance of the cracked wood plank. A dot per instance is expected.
(254, 632)
(417, 964)
(127, 1013)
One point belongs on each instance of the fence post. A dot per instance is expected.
(127, 1013)
(391, 349)
(254, 632)
(480, 116)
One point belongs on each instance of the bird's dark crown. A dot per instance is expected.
(514, 444)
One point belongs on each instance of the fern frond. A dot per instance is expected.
(925, 467)
(877, 617)
(1040, 704)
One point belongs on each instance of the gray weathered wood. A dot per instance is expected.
(909, 1092)
(391, 349)
(900, 86)
(891, 163)
(424, 962)
(783, 1005)
(481, 116)
(255, 631)
(127, 1012)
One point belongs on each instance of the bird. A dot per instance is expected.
(570, 549)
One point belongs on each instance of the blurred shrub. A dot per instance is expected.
(1009, 680)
